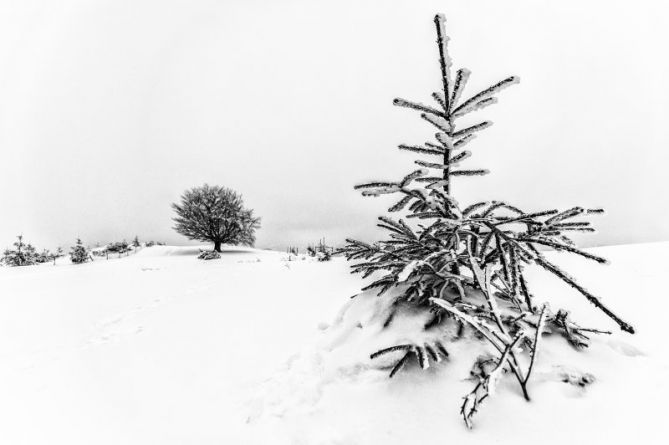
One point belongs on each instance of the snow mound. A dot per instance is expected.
(332, 381)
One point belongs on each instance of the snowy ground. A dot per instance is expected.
(161, 348)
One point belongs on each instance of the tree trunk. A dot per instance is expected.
(217, 246)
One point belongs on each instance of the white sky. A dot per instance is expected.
(110, 109)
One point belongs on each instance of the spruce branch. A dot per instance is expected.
(459, 157)
(537, 336)
(488, 92)
(439, 98)
(417, 106)
(444, 58)
(479, 172)
(475, 106)
(487, 385)
(418, 149)
(570, 213)
(461, 78)
(438, 121)
(590, 297)
(473, 129)
(562, 247)
(468, 210)
(464, 141)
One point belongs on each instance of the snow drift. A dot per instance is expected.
(262, 347)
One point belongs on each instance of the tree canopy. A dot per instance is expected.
(216, 214)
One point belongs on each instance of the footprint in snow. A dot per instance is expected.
(298, 387)
(625, 348)
(574, 381)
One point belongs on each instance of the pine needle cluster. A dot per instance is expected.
(467, 264)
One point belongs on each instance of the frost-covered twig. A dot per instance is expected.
(487, 385)
(537, 336)
(591, 298)
(423, 353)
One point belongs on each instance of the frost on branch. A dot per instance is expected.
(466, 265)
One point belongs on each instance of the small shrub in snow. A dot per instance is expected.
(99, 252)
(57, 254)
(467, 264)
(22, 255)
(45, 256)
(79, 253)
(323, 256)
(118, 247)
(321, 251)
(209, 255)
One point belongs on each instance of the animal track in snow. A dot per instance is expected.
(625, 348)
(119, 326)
(575, 382)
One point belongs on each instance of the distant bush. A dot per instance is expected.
(324, 256)
(57, 254)
(118, 247)
(44, 257)
(79, 253)
(22, 255)
(209, 255)
(321, 251)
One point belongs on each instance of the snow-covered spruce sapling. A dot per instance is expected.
(467, 264)
(79, 253)
(23, 254)
(321, 251)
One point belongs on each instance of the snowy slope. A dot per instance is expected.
(161, 348)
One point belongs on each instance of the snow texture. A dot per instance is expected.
(159, 347)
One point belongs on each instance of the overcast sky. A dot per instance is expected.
(110, 109)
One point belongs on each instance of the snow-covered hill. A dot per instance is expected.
(161, 348)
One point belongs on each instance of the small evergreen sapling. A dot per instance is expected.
(44, 256)
(320, 251)
(467, 264)
(23, 254)
(79, 253)
(57, 254)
